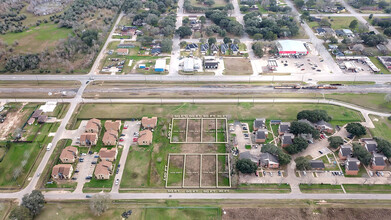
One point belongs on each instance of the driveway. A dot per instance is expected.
(133, 126)
(75, 134)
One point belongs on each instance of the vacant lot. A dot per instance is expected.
(373, 101)
(341, 22)
(17, 115)
(382, 127)
(182, 213)
(37, 38)
(137, 168)
(237, 66)
(321, 213)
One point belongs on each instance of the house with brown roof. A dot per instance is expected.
(31, 121)
(108, 155)
(113, 125)
(68, 154)
(62, 171)
(110, 137)
(149, 123)
(122, 51)
(93, 126)
(42, 119)
(145, 137)
(88, 139)
(103, 170)
(36, 114)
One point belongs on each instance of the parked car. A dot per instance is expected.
(88, 196)
(125, 127)
(117, 171)
(121, 140)
(279, 173)
(320, 152)
(119, 165)
(74, 178)
(93, 162)
(76, 171)
(264, 173)
(117, 182)
(96, 156)
(88, 177)
(84, 154)
(135, 139)
(122, 135)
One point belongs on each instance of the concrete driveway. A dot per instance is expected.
(133, 126)
(85, 168)
(75, 134)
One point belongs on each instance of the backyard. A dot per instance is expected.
(237, 66)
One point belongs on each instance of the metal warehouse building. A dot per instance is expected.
(160, 65)
(291, 47)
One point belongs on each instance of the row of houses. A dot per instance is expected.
(352, 164)
(37, 116)
(92, 131)
(214, 49)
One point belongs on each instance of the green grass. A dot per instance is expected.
(379, 65)
(175, 178)
(248, 147)
(19, 156)
(347, 82)
(264, 188)
(374, 101)
(361, 172)
(382, 127)
(35, 39)
(357, 188)
(182, 213)
(136, 169)
(341, 22)
(320, 188)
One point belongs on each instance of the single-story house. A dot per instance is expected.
(110, 138)
(345, 151)
(31, 121)
(113, 125)
(62, 171)
(122, 51)
(88, 139)
(324, 126)
(42, 119)
(224, 48)
(234, 48)
(126, 45)
(191, 47)
(108, 155)
(317, 164)
(103, 170)
(93, 126)
(204, 48)
(351, 168)
(156, 50)
(69, 154)
(248, 155)
(36, 114)
(378, 162)
(149, 123)
(284, 127)
(370, 145)
(214, 49)
(145, 137)
(287, 139)
(269, 160)
(260, 136)
(259, 123)
(320, 31)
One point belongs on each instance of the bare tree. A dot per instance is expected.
(99, 203)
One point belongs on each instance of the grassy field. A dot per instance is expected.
(217, 3)
(320, 188)
(356, 188)
(238, 112)
(382, 127)
(341, 22)
(373, 101)
(182, 213)
(33, 40)
(265, 188)
(237, 66)
(137, 168)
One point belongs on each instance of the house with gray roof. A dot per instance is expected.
(259, 123)
(317, 164)
(269, 160)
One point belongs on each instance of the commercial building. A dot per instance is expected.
(291, 48)
(160, 65)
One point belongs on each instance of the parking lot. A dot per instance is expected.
(85, 168)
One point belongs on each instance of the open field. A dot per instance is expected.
(237, 66)
(356, 188)
(341, 22)
(320, 188)
(264, 188)
(382, 127)
(138, 176)
(37, 38)
(373, 101)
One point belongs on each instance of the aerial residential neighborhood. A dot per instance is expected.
(195, 109)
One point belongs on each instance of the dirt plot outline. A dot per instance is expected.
(217, 172)
(186, 141)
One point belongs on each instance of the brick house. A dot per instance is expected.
(145, 137)
(259, 123)
(88, 139)
(108, 155)
(93, 126)
(378, 162)
(351, 168)
(317, 164)
(284, 128)
(69, 154)
(62, 171)
(260, 136)
(110, 138)
(103, 170)
(149, 123)
(370, 145)
(345, 151)
(113, 125)
(287, 139)
(269, 160)
(324, 127)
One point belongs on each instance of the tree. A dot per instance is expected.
(258, 49)
(383, 146)
(387, 31)
(229, 7)
(166, 45)
(304, 128)
(203, 20)
(236, 41)
(362, 154)
(227, 40)
(302, 163)
(246, 166)
(333, 40)
(185, 21)
(299, 144)
(299, 3)
(99, 203)
(313, 115)
(258, 36)
(370, 16)
(20, 213)
(283, 158)
(212, 40)
(356, 129)
(34, 202)
(353, 24)
(184, 31)
(335, 141)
